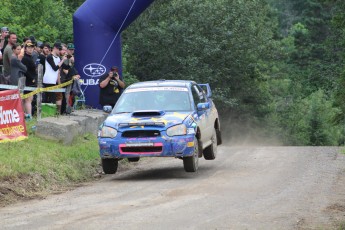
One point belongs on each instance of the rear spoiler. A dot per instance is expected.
(207, 89)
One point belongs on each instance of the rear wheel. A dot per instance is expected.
(109, 166)
(211, 151)
(219, 137)
(191, 163)
(134, 159)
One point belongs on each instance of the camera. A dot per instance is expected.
(69, 56)
(115, 74)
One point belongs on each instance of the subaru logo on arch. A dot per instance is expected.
(94, 70)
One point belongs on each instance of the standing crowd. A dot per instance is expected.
(21, 60)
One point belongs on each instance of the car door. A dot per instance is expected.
(204, 115)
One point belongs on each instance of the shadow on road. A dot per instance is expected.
(162, 172)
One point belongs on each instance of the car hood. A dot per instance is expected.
(147, 118)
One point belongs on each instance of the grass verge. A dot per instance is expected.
(35, 167)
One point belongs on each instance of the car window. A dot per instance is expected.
(202, 94)
(198, 95)
(159, 98)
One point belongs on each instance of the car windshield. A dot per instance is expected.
(154, 98)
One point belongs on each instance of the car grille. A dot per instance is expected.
(141, 133)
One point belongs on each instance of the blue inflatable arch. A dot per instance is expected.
(97, 26)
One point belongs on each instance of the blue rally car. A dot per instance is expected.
(165, 118)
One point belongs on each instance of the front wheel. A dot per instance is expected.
(109, 166)
(191, 163)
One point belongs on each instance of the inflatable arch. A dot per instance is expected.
(97, 26)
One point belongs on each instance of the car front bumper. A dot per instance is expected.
(177, 146)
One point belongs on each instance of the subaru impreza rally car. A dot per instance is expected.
(165, 118)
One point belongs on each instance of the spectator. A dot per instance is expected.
(51, 75)
(31, 76)
(34, 53)
(39, 47)
(4, 35)
(0, 62)
(67, 73)
(111, 86)
(70, 49)
(3, 43)
(17, 67)
(25, 41)
(6, 57)
(59, 95)
(45, 52)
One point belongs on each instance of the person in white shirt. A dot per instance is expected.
(51, 75)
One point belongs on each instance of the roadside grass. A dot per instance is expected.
(341, 226)
(35, 166)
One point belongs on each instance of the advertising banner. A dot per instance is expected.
(12, 122)
(97, 27)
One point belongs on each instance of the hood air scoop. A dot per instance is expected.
(148, 113)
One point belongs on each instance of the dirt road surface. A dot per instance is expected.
(244, 188)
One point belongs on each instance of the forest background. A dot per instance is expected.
(276, 67)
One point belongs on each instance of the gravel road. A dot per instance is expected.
(244, 188)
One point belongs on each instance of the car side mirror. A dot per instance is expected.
(203, 106)
(107, 108)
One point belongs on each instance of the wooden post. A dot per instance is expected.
(39, 95)
(67, 95)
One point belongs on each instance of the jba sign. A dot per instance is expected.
(12, 124)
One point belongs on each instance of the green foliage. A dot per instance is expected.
(219, 42)
(309, 62)
(129, 78)
(339, 100)
(73, 4)
(47, 20)
(308, 121)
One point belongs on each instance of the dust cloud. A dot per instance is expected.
(242, 133)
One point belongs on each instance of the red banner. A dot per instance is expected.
(12, 122)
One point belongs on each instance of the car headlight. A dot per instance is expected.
(177, 130)
(107, 132)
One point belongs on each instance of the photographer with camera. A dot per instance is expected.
(110, 87)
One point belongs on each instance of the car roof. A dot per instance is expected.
(162, 83)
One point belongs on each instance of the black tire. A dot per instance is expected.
(219, 137)
(135, 159)
(210, 152)
(191, 163)
(200, 149)
(109, 166)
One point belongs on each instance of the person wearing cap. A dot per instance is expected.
(67, 73)
(4, 34)
(51, 75)
(25, 41)
(39, 47)
(111, 86)
(34, 53)
(6, 57)
(31, 76)
(3, 43)
(70, 49)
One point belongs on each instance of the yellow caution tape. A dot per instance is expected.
(39, 90)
